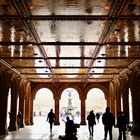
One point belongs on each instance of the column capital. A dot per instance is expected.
(57, 98)
(83, 98)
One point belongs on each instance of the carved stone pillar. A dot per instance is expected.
(136, 113)
(31, 111)
(4, 88)
(118, 104)
(13, 112)
(27, 111)
(113, 105)
(126, 106)
(3, 112)
(56, 111)
(21, 109)
(5, 77)
(83, 122)
(109, 103)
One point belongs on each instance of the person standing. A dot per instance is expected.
(50, 119)
(91, 122)
(19, 116)
(108, 122)
(121, 124)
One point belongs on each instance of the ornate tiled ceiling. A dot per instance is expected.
(69, 40)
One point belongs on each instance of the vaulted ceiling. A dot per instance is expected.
(69, 40)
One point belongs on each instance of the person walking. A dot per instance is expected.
(91, 122)
(98, 116)
(121, 124)
(50, 119)
(108, 122)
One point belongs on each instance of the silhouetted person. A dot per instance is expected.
(98, 116)
(121, 124)
(50, 119)
(19, 116)
(70, 130)
(108, 122)
(70, 127)
(91, 122)
(40, 113)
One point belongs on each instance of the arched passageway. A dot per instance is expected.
(43, 102)
(70, 105)
(8, 106)
(130, 106)
(95, 100)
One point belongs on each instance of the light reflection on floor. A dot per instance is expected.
(40, 131)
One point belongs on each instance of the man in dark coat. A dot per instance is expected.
(91, 122)
(50, 119)
(121, 124)
(108, 122)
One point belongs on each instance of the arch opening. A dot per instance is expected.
(42, 104)
(130, 106)
(8, 107)
(70, 105)
(95, 101)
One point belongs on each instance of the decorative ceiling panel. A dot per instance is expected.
(69, 40)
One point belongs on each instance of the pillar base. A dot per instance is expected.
(56, 123)
(83, 123)
(21, 125)
(3, 131)
(31, 123)
(135, 130)
(27, 123)
(12, 128)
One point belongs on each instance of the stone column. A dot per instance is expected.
(27, 111)
(113, 105)
(4, 77)
(13, 112)
(57, 111)
(83, 122)
(118, 104)
(3, 112)
(136, 113)
(108, 101)
(31, 111)
(21, 109)
(126, 106)
(4, 88)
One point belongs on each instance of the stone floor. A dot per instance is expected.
(40, 131)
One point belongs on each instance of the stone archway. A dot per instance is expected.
(43, 102)
(99, 86)
(70, 105)
(40, 86)
(102, 88)
(95, 100)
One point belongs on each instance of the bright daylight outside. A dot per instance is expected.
(70, 104)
